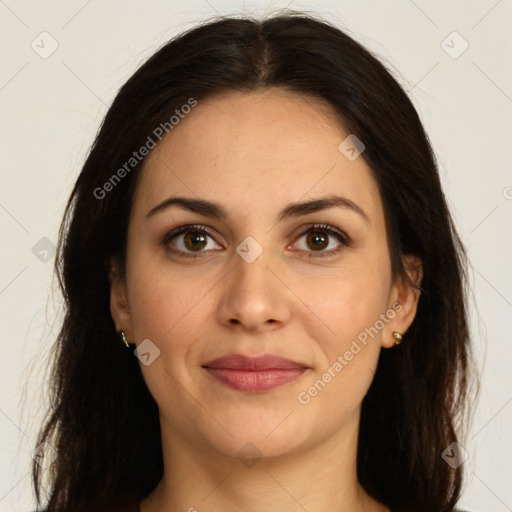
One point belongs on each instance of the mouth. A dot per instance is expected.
(255, 374)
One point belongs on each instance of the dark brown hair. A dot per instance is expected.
(103, 421)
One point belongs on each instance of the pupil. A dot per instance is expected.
(318, 240)
(193, 238)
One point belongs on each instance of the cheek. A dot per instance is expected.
(347, 301)
(348, 350)
(348, 305)
(169, 305)
(165, 309)
(162, 298)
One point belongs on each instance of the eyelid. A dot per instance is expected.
(341, 236)
(332, 231)
(186, 229)
(324, 227)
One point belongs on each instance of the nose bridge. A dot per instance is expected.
(251, 271)
(254, 296)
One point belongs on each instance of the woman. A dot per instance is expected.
(261, 218)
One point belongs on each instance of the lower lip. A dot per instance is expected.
(254, 381)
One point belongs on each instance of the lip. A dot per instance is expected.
(255, 374)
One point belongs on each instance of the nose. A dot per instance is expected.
(254, 296)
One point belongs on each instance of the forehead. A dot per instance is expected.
(259, 150)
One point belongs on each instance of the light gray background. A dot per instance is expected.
(52, 107)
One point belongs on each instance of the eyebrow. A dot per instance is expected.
(215, 210)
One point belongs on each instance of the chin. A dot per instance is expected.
(263, 439)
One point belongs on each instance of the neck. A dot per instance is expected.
(316, 478)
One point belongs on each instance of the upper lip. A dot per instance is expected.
(249, 363)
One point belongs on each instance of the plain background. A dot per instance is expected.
(51, 108)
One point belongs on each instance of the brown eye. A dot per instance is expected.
(194, 240)
(322, 240)
(317, 240)
(190, 241)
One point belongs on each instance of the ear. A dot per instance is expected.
(403, 299)
(119, 305)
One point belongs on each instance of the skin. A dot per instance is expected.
(254, 153)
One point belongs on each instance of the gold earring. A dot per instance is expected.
(398, 337)
(123, 338)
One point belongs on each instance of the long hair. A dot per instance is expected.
(103, 422)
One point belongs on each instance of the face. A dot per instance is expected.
(258, 273)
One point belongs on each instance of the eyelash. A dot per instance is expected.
(341, 237)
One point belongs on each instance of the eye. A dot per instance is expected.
(319, 240)
(187, 240)
(192, 241)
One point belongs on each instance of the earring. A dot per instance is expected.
(398, 337)
(123, 338)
